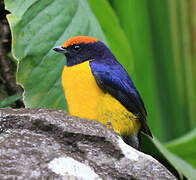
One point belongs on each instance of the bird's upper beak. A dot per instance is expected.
(60, 49)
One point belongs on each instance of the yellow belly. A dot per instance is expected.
(86, 100)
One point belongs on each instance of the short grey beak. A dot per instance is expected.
(60, 49)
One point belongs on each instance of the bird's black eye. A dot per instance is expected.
(77, 47)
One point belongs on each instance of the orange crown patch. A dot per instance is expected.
(78, 40)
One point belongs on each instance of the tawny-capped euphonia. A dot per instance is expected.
(97, 87)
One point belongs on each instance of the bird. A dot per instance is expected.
(97, 87)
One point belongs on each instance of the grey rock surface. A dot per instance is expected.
(48, 144)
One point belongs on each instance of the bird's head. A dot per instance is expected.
(83, 48)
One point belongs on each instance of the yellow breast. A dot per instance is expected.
(81, 90)
(86, 100)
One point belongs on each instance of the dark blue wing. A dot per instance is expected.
(113, 79)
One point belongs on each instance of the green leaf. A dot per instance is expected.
(173, 162)
(9, 100)
(184, 147)
(182, 167)
(38, 26)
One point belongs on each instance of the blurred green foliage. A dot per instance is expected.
(152, 39)
(6, 102)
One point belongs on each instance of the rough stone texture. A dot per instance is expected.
(31, 138)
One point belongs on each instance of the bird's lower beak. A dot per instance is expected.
(59, 49)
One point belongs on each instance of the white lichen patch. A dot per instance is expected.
(128, 151)
(72, 169)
